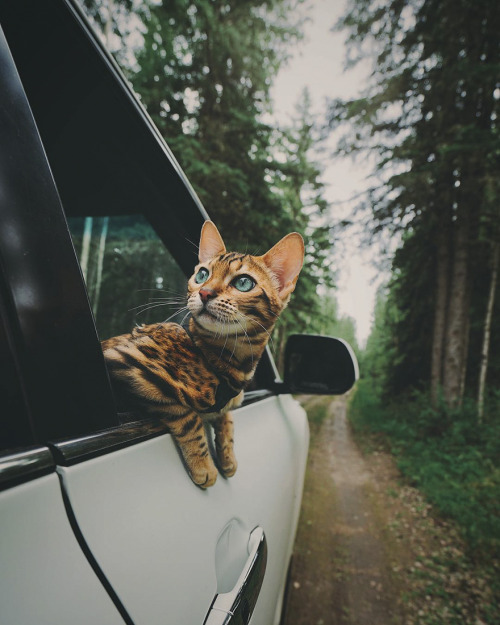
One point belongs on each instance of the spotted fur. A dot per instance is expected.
(196, 372)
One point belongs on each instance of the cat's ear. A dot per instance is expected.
(211, 243)
(285, 260)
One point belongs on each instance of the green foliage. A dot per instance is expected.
(204, 74)
(378, 356)
(428, 117)
(409, 315)
(318, 409)
(452, 461)
(330, 323)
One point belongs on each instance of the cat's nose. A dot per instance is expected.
(206, 294)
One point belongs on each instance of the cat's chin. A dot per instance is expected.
(211, 323)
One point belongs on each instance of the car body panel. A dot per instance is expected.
(155, 534)
(45, 578)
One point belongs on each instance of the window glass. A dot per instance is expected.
(15, 430)
(131, 277)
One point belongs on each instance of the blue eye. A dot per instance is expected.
(201, 276)
(243, 283)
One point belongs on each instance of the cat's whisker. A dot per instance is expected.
(221, 323)
(162, 300)
(249, 341)
(275, 315)
(145, 307)
(196, 247)
(253, 321)
(157, 289)
(139, 310)
(178, 312)
(159, 302)
(234, 346)
(260, 325)
(224, 346)
(168, 291)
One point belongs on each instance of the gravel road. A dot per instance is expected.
(341, 572)
(370, 550)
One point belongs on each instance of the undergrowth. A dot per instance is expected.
(317, 409)
(455, 463)
(452, 459)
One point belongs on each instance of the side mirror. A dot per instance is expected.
(319, 365)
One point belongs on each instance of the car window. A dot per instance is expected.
(132, 278)
(15, 428)
(130, 275)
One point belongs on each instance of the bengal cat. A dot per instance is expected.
(196, 372)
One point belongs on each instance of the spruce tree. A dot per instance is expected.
(430, 114)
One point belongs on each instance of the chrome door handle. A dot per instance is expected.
(236, 606)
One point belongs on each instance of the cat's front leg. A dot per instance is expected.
(224, 441)
(189, 434)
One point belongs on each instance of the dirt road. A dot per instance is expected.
(341, 572)
(370, 550)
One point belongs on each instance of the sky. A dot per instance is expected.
(318, 63)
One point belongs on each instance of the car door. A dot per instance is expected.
(161, 548)
(45, 577)
(167, 547)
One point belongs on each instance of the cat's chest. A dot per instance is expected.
(191, 374)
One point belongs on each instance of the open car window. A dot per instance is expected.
(131, 277)
(81, 107)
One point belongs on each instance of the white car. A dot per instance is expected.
(99, 521)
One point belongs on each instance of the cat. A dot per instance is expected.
(196, 372)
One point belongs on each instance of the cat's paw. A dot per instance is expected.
(228, 464)
(204, 476)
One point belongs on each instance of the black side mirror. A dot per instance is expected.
(319, 365)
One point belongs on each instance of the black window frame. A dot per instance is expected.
(45, 308)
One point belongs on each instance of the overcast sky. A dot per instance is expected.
(318, 64)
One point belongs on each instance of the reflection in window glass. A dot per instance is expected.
(131, 277)
(14, 420)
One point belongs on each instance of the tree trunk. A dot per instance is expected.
(100, 263)
(463, 376)
(84, 257)
(108, 24)
(440, 311)
(487, 331)
(456, 335)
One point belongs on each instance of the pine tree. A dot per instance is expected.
(430, 115)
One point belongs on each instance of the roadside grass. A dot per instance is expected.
(455, 464)
(317, 408)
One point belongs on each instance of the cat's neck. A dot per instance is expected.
(230, 351)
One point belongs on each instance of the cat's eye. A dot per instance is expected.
(243, 283)
(201, 276)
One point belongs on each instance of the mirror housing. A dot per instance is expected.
(319, 365)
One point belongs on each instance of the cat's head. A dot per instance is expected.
(233, 293)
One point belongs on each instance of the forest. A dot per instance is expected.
(431, 366)
(428, 120)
